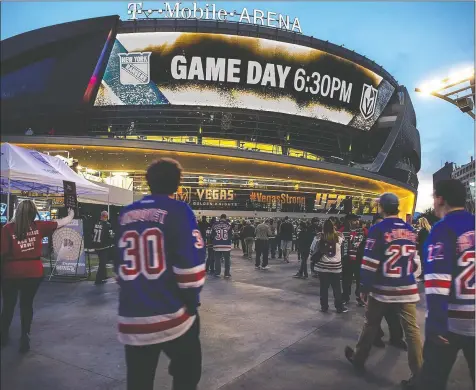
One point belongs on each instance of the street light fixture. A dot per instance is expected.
(457, 89)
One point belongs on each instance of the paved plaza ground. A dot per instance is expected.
(261, 330)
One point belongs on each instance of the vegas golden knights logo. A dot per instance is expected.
(183, 194)
(368, 101)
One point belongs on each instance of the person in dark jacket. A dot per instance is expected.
(203, 226)
(317, 231)
(236, 236)
(286, 235)
(248, 234)
(423, 231)
(304, 239)
(102, 242)
(272, 238)
(278, 239)
(242, 239)
(352, 252)
(210, 263)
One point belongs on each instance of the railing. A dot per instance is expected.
(248, 146)
(253, 146)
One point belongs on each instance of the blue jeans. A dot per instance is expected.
(226, 256)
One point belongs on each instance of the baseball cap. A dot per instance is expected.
(388, 200)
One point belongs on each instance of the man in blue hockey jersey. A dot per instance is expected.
(222, 236)
(160, 271)
(388, 284)
(449, 287)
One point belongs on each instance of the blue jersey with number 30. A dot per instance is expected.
(388, 265)
(161, 270)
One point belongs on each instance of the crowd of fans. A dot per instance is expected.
(161, 267)
(276, 238)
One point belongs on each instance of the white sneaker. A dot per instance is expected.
(267, 267)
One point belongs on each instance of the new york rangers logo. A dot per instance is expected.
(368, 101)
(135, 68)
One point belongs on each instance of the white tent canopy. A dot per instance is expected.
(28, 170)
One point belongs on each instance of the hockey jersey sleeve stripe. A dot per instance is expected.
(373, 266)
(151, 319)
(190, 277)
(157, 337)
(368, 268)
(153, 327)
(464, 315)
(437, 291)
(395, 288)
(438, 277)
(198, 283)
(438, 283)
(370, 260)
(409, 291)
(189, 271)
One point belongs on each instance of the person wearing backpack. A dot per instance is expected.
(329, 266)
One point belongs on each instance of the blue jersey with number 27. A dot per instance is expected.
(388, 265)
(160, 269)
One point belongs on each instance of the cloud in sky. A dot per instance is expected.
(425, 193)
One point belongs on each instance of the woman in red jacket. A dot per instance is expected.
(22, 269)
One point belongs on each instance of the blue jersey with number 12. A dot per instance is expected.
(161, 270)
(449, 275)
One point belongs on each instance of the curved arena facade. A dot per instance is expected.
(263, 120)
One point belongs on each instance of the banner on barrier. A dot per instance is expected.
(68, 248)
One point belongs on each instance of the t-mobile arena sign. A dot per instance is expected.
(211, 12)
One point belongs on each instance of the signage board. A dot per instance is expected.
(68, 247)
(202, 69)
(223, 198)
(179, 10)
(71, 197)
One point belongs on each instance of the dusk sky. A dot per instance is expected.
(415, 42)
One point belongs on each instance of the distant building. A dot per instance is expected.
(444, 173)
(465, 174)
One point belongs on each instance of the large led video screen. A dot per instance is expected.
(202, 69)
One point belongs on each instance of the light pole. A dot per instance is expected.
(457, 89)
